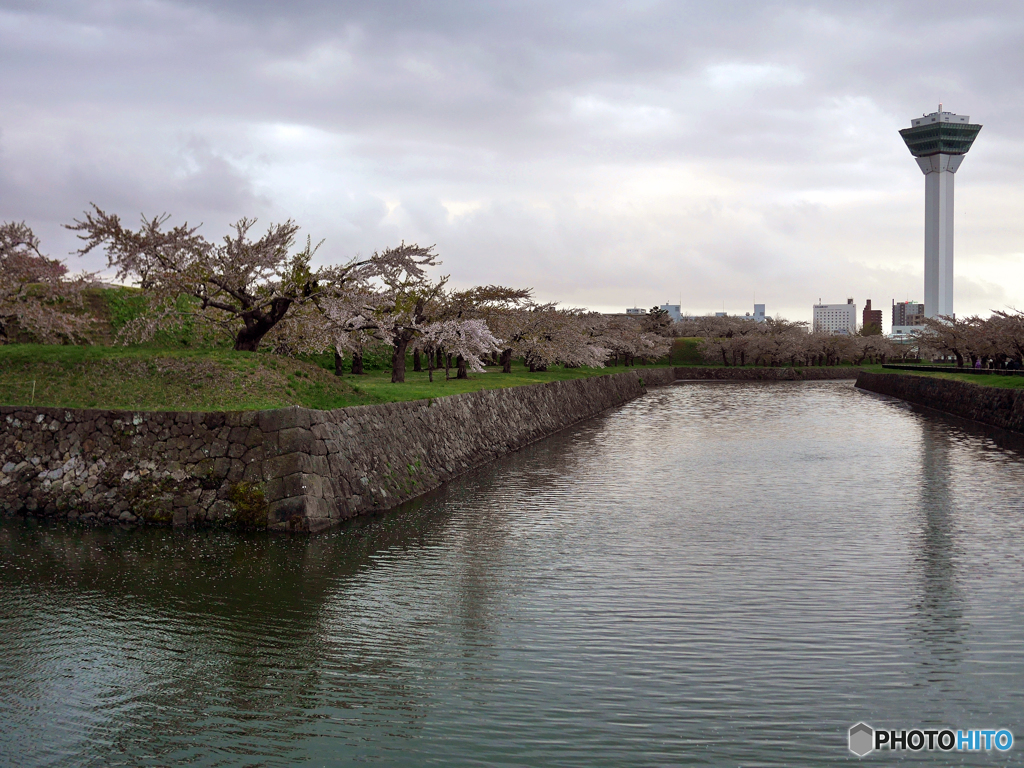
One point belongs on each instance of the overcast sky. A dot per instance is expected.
(605, 154)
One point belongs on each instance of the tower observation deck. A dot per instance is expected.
(939, 142)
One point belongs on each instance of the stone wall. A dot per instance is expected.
(288, 469)
(161, 467)
(809, 373)
(995, 406)
(293, 468)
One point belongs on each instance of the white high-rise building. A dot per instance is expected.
(939, 142)
(835, 318)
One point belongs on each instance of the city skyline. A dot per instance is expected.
(606, 157)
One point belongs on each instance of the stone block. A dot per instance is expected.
(283, 418)
(288, 511)
(219, 510)
(253, 472)
(317, 509)
(288, 464)
(295, 439)
(318, 465)
(221, 467)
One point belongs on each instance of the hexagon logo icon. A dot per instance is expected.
(862, 739)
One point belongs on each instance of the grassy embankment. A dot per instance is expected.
(146, 378)
(685, 352)
(184, 370)
(983, 380)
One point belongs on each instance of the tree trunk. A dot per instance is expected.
(357, 363)
(246, 344)
(463, 373)
(398, 360)
(337, 364)
(417, 365)
(258, 324)
(506, 361)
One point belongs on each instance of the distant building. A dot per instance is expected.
(835, 318)
(871, 318)
(673, 311)
(757, 316)
(635, 311)
(907, 313)
(905, 332)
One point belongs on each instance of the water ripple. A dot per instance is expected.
(716, 574)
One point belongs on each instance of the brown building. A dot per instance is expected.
(871, 319)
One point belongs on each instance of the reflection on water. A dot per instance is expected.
(941, 626)
(718, 573)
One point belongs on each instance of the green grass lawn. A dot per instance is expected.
(983, 380)
(685, 352)
(149, 378)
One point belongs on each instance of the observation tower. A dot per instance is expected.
(939, 142)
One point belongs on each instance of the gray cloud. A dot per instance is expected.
(603, 154)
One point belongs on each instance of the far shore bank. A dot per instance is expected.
(993, 405)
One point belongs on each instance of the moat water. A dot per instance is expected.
(714, 574)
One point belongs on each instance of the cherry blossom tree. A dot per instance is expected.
(489, 303)
(467, 339)
(36, 293)
(949, 336)
(633, 338)
(242, 286)
(387, 300)
(543, 334)
(1008, 328)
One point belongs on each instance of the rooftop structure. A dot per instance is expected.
(939, 142)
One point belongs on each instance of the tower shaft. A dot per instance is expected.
(939, 176)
